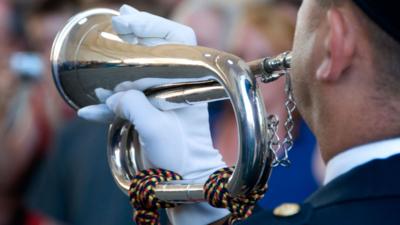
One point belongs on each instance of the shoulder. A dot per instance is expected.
(367, 195)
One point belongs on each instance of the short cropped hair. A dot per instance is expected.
(386, 52)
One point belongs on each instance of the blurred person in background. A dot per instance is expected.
(266, 30)
(25, 128)
(41, 23)
(213, 21)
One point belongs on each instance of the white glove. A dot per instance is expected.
(177, 140)
(144, 28)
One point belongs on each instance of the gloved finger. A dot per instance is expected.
(97, 113)
(125, 86)
(127, 9)
(129, 38)
(152, 41)
(141, 84)
(121, 26)
(102, 94)
(135, 107)
(146, 25)
(148, 82)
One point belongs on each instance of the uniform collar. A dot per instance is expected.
(375, 179)
(354, 157)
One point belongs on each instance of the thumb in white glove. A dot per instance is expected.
(177, 140)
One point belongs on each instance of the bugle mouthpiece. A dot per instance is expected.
(271, 68)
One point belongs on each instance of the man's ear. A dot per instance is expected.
(339, 46)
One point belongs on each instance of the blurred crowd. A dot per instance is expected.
(53, 167)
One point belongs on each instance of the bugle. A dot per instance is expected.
(87, 54)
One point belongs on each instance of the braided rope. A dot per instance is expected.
(143, 198)
(217, 194)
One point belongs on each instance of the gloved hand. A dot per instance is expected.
(146, 29)
(177, 140)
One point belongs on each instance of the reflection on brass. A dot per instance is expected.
(87, 55)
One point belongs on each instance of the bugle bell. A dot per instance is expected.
(87, 55)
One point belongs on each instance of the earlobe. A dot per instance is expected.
(324, 69)
(337, 46)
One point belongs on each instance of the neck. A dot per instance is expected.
(351, 111)
(355, 124)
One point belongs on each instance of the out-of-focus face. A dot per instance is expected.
(43, 29)
(306, 56)
(7, 80)
(250, 45)
(8, 88)
(8, 83)
(209, 29)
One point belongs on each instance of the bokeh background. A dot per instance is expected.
(53, 167)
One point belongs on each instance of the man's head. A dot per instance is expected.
(345, 75)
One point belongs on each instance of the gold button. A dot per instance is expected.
(287, 209)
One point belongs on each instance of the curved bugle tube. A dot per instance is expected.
(186, 94)
(88, 55)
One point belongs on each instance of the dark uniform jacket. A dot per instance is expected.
(367, 195)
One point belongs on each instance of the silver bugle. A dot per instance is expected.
(88, 55)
